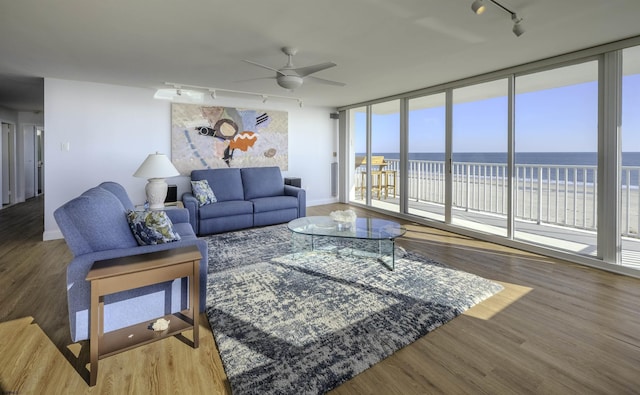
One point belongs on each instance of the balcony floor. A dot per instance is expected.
(567, 238)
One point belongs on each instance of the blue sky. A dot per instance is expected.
(553, 120)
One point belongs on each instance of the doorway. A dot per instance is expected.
(33, 161)
(7, 176)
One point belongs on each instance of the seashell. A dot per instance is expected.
(270, 153)
(160, 325)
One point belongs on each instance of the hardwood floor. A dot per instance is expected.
(557, 328)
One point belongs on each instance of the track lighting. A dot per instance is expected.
(196, 94)
(478, 7)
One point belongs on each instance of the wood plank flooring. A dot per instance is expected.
(557, 328)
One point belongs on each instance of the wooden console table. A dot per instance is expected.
(121, 274)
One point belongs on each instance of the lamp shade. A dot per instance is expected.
(156, 166)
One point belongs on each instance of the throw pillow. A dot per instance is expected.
(151, 227)
(203, 193)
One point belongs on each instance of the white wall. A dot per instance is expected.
(111, 129)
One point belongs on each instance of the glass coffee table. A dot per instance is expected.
(360, 235)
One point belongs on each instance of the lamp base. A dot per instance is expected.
(156, 190)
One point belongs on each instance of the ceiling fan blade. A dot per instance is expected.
(323, 81)
(255, 79)
(305, 71)
(264, 67)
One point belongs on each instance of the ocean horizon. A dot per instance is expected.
(521, 158)
(588, 160)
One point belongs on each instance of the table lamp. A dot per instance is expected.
(156, 168)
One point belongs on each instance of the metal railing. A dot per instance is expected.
(551, 194)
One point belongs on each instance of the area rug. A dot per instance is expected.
(292, 321)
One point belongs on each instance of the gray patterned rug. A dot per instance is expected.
(304, 322)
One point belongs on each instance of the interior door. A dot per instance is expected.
(29, 162)
(7, 162)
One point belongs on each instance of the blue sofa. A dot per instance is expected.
(246, 197)
(95, 227)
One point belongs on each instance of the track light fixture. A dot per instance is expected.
(518, 29)
(478, 7)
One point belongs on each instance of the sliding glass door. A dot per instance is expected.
(556, 140)
(426, 165)
(630, 169)
(358, 129)
(385, 155)
(479, 165)
(376, 137)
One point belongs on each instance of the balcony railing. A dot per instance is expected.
(551, 194)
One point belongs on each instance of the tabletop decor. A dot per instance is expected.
(344, 219)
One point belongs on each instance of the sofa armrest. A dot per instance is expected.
(191, 204)
(301, 195)
(178, 215)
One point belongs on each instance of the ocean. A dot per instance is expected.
(529, 158)
(553, 159)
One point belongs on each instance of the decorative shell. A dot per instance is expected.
(160, 325)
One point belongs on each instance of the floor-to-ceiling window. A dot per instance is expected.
(385, 155)
(556, 145)
(376, 130)
(426, 165)
(479, 159)
(358, 140)
(630, 169)
(556, 195)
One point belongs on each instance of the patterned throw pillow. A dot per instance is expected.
(202, 191)
(151, 227)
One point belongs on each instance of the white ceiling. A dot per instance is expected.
(381, 47)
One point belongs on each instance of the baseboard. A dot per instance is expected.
(320, 202)
(52, 235)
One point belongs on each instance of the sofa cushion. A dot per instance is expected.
(262, 182)
(152, 227)
(203, 193)
(225, 209)
(226, 183)
(274, 203)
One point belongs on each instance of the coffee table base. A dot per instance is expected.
(385, 248)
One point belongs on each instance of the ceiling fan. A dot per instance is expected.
(291, 77)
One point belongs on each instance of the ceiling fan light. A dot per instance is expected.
(289, 82)
(478, 7)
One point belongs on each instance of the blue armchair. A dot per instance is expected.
(95, 227)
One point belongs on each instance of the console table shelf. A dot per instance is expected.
(133, 336)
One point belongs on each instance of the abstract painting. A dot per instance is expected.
(209, 137)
